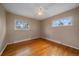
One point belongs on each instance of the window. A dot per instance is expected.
(21, 25)
(62, 22)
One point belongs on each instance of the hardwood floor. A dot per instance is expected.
(39, 47)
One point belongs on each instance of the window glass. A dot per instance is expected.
(21, 25)
(62, 22)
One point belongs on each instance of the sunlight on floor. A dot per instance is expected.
(23, 52)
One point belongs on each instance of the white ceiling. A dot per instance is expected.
(30, 9)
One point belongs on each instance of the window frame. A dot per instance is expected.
(71, 19)
(15, 26)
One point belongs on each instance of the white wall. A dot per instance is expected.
(14, 36)
(68, 35)
(2, 28)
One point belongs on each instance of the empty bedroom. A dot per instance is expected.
(39, 29)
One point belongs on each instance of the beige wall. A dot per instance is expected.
(2, 28)
(21, 35)
(68, 35)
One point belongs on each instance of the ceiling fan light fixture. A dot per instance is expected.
(40, 11)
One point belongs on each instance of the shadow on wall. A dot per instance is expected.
(2, 29)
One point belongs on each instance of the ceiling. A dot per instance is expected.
(30, 9)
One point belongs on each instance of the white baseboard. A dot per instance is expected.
(3, 49)
(61, 43)
(22, 40)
